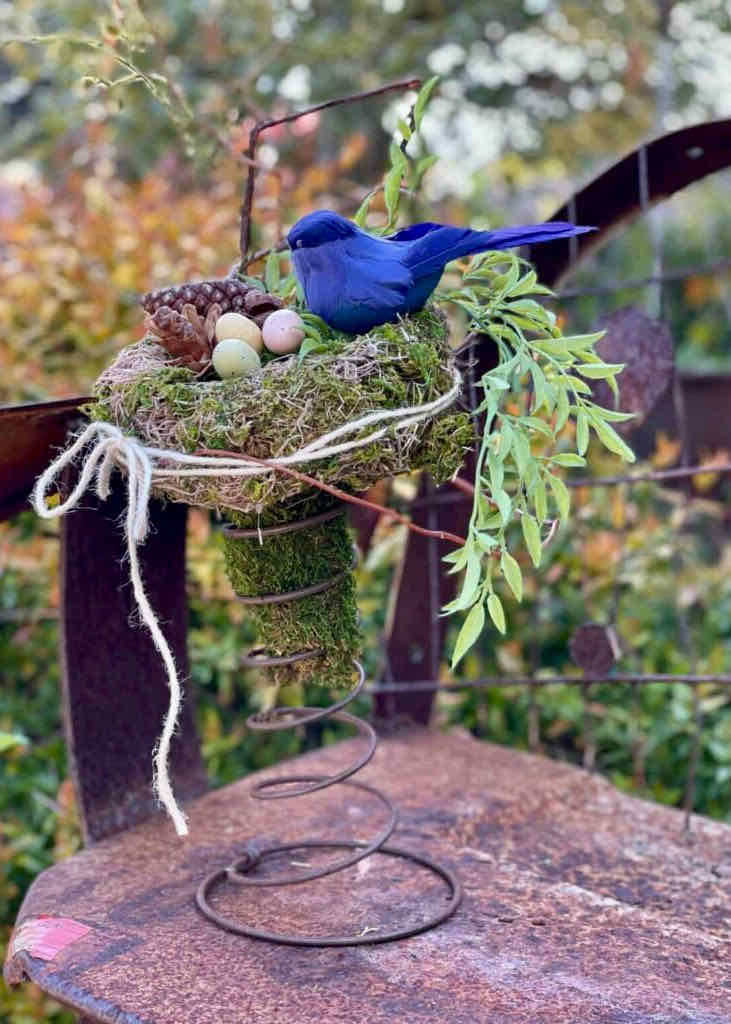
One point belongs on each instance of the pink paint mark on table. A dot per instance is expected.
(45, 937)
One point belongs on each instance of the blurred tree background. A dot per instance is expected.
(122, 133)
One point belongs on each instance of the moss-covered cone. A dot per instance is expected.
(290, 561)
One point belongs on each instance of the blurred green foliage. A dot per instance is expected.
(104, 194)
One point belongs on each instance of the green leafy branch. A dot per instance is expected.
(122, 41)
(540, 382)
(405, 172)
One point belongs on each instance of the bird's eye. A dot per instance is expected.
(300, 243)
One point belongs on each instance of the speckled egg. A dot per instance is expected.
(283, 331)
(236, 325)
(233, 357)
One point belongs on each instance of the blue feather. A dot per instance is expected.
(356, 281)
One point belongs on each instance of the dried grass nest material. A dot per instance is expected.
(289, 403)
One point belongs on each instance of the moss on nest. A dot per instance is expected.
(289, 403)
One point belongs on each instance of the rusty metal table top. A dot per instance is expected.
(581, 905)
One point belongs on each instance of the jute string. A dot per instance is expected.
(101, 447)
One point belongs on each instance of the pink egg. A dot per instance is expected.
(283, 331)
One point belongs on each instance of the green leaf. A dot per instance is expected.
(391, 192)
(521, 450)
(568, 459)
(504, 504)
(404, 129)
(506, 440)
(271, 272)
(497, 473)
(562, 495)
(423, 165)
(582, 432)
(253, 282)
(540, 500)
(362, 213)
(486, 541)
(469, 633)
(458, 557)
(611, 439)
(423, 98)
(539, 386)
(310, 345)
(11, 740)
(489, 522)
(613, 415)
(532, 536)
(578, 385)
(398, 158)
(581, 342)
(600, 371)
(526, 285)
(497, 383)
(540, 425)
(511, 572)
(468, 593)
(495, 608)
(562, 410)
(313, 320)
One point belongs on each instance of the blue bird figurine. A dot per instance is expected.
(356, 281)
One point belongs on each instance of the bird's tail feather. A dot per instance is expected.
(437, 248)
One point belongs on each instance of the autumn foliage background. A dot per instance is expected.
(106, 192)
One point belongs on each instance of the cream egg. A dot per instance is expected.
(236, 325)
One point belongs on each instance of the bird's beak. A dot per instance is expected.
(282, 247)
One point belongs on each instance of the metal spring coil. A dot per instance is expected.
(240, 872)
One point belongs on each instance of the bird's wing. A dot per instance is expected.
(375, 272)
(413, 232)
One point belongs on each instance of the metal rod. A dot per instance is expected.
(681, 274)
(632, 679)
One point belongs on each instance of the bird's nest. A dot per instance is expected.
(288, 404)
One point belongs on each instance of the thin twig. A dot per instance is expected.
(390, 513)
(261, 126)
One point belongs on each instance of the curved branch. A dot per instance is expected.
(261, 126)
(337, 493)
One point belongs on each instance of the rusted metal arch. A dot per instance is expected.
(615, 198)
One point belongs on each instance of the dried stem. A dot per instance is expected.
(260, 126)
(390, 513)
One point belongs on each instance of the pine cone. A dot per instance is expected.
(230, 293)
(183, 335)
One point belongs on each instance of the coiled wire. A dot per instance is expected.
(241, 872)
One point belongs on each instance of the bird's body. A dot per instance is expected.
(356, 281)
